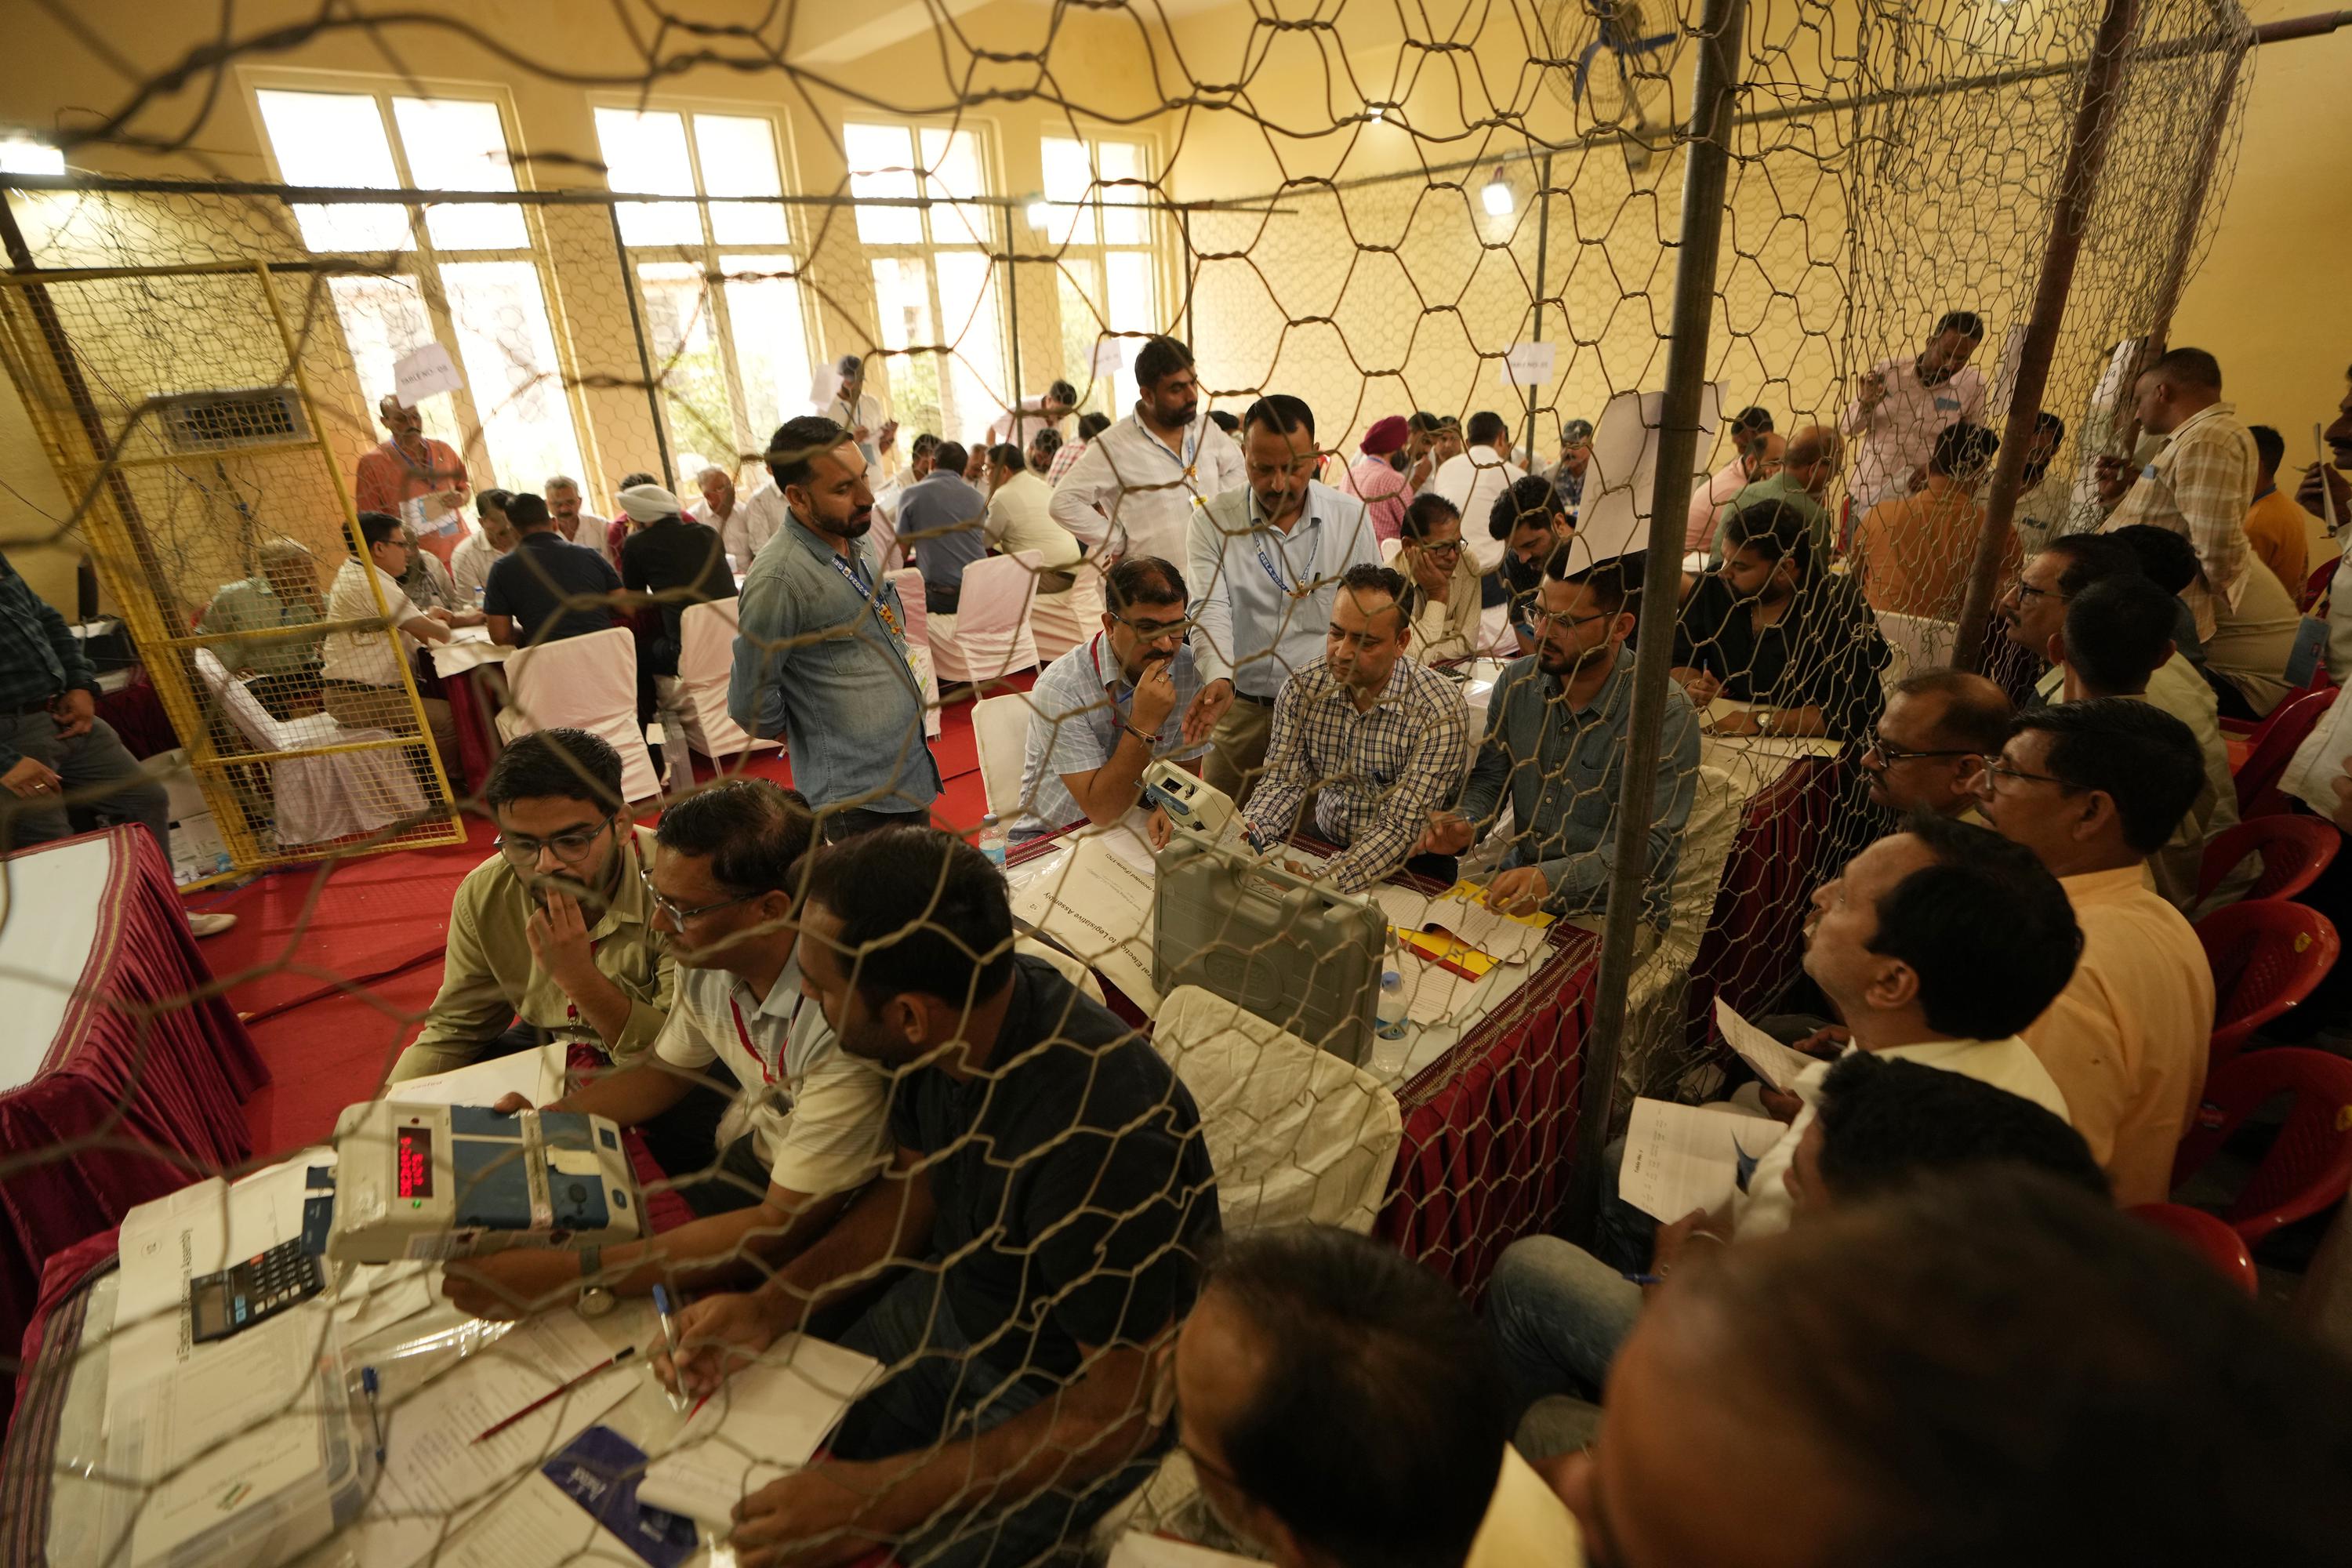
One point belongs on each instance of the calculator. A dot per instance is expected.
(238, 1296)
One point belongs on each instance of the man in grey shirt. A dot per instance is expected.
(942, 517)
(1555, 739)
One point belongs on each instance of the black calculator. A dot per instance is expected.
(237, 1298)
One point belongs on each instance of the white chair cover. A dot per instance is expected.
(317, 799)
(1000, 733)
(1060, 622)
(1296, 1135)
(705, 659)
(583, 683)
(909, 582)
(1917, 643)
(992, 632)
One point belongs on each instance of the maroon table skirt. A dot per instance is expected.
(142, 1091)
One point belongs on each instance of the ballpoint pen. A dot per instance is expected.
(624, 1353)
(370, 1384)
(669, 1338)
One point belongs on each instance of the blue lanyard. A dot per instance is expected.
(1280, 586)
(856, 578)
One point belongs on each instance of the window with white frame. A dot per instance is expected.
(1096, 219)
(934, 291)
(475, 285)
(716, 277)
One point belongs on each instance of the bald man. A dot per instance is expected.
(1927, 751)
(1814, 454)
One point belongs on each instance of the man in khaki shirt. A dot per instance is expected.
(2094, 788)
(552, 937)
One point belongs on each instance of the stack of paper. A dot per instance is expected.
(1776, 1064)
(1682, 1157)
(1097, 901)
(764, 1422)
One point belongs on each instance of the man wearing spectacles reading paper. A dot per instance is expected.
(552, 937)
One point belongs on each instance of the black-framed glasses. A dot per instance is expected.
(1450, 547)
(2026, 591)
(1994, 768)
(1891, 754)
(670, 910)
(1152, 631)
(571, 845)
(1538, 617)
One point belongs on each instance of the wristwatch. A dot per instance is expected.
(595, 1299)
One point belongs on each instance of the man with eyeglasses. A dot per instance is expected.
(812, 1126)
(2095, 788)
(552, 938)
(1266, 559)
(1441, 580)
(1929, 744)
(1367, 743)
(1535, 529)
(1104, 711)
(1556, 741)
(1313, 1341)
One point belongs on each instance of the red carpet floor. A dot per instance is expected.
(334, 966)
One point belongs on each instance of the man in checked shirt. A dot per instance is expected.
(1384, 739)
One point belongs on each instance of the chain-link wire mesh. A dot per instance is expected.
(1887, 170)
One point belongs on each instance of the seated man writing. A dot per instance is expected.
(1555, 741)
(552, 938)
(1382, 739)
(816, 1119)
(1048, 1205)
(1101, 712)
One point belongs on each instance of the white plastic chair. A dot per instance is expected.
(1916, 642)
(583, 683)
(1060, 622)
(909, 582)
(693, 700)
(991, 629)
(999, 733)
(316, 799)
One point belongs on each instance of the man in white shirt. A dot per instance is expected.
(743, 523)
(470, 563)
(810, 1125)
(1748, 427)
(1046, 410)
(858, 411)
(1905, 403)
(1139, 484)
(1474, 477)
(1265, 563)
(1020, 517)
(1310, 1340)
(1938, 945)
(561, 494)
(360, 676)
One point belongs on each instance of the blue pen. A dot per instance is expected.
(369, 1385)
(669, 1334)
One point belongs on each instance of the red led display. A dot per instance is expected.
(414, 1160)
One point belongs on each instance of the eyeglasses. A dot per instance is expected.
(1152, 631)
(1538, 617)
(1451, 547)
(2025, 590)
(1994, 768)
(1891, 754)
(571, 845)
(669, 910)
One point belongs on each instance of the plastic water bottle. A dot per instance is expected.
(993, 840)
(1389, 1013)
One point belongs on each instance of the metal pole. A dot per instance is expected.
(1707, 158)
(645, 358)
(2184, 233)
(1543, 259)
(1184, 227)
(2086, 152)
(1013, 273)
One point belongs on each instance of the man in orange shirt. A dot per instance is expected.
(2094, 788)
(2278, 530)
(408, 466)
(1913, 551)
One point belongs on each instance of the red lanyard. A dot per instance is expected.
(768, 1069)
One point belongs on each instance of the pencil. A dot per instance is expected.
(618, 1356)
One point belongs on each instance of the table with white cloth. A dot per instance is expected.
(473, 699)
(124, 1073)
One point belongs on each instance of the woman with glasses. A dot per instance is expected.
(1774, 631)
(1441, 581)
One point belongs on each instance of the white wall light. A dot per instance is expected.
(1498, 197)
(20, 154)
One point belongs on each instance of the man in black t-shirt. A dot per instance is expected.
(682, 563)
(1052, 1191)
(546, 587)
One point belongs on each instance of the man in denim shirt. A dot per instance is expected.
(821, 653)
(1556, 740)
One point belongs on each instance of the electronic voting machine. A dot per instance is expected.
(452, 1181)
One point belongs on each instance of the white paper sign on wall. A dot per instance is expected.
(1621, 483)
(422, 373)
(1109, 357)
(1525, 365)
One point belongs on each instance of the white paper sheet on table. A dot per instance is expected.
(1136, 1550)
(375, 1296)
(766, 1421)
(538, 1076)
(1683, 1157)
(1093, 900)
(467, 647)
(1776, 1064)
